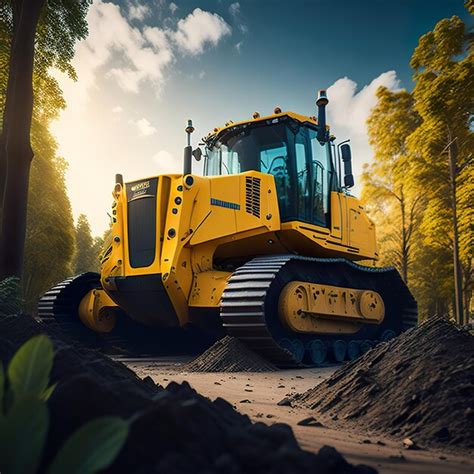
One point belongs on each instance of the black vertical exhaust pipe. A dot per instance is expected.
(188, 150)
(321, 102)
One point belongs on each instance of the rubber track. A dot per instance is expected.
(59, 306)
(243, 303)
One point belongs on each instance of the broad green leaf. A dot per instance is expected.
(23, 436)
(28, 371)
(92, 447)
(48, 392)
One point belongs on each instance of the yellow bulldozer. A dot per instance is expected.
(262, 246)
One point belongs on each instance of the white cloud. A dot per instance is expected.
(167, 162)
(234, 9)
(238, 46)
(349, 109)
(202, 74)
(129, 55)
(92, 132)
(198, 29)
(144, 127)
(173, 7)
(138, 11)
(132, 55)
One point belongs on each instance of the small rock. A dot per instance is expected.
(310, 421)
(270, 416)
(217, 383)
(366, 441)
(245, 401)
(443, 458)
(381, 443)
(299, 377)
(248, 390)
(281, 386)
(285, 402)
(409, 443)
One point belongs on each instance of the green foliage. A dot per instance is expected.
(10, 296)
(411, 134)
(49, 248)
(386, 194)
(24, 420)
(28, 371)
(92, 447)
(87, 248)
(25, 429)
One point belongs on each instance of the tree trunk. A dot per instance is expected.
(458, 293)
(16, 7)
(19, 108)
(404, 252)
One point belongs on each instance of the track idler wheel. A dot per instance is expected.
(366, 345)
(353, 350)
(339, 349)
(317, 352)
(294, 346)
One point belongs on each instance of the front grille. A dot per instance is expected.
(252, 195)
(141, 214)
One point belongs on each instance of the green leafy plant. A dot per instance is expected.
(10, 296)
(24, 420)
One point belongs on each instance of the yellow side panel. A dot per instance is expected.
(336, 215)
(207, 288)
(236, 206)
(361, 228)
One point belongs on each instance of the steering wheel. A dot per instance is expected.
(277, 170)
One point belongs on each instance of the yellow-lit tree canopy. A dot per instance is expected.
(50, 236)
(420, 188)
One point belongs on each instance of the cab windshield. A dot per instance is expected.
(302, 167)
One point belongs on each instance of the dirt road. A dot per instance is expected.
(257, 395)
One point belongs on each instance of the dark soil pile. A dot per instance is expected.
(173, 429)
(229, 355)
(419, 385)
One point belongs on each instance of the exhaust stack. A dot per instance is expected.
(188, 150)
(321, 102)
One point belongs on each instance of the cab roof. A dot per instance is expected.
(214, 135)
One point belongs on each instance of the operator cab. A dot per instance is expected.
(290, 150)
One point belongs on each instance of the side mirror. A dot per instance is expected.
(347, 160)
(197, 153)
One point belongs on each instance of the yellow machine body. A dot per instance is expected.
(263, 247)
(199, 221)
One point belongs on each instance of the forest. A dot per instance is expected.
(419, 188)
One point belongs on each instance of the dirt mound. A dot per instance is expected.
(419, 385)
(229, 355)
(173, 429)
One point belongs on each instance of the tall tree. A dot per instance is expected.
(49, 246)
(59, 24)
(444, 97)
(87, 248)
(385, 189)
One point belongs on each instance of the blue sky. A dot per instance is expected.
(147, 67)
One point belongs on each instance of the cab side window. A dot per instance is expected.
(321, 168)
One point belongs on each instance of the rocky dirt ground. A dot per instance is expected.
(412, 387)
(258, 395)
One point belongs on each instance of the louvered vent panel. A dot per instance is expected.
(252, 195)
